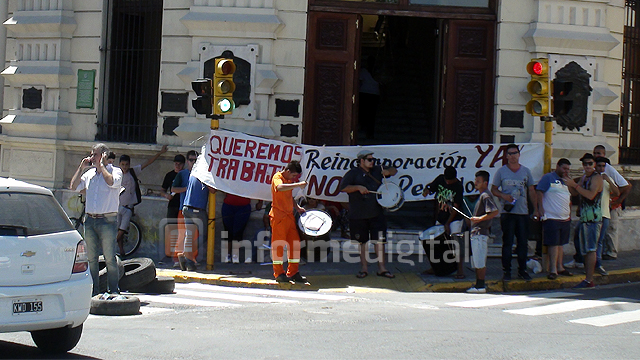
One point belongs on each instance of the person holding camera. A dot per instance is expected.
(102, 184)
(514, 185)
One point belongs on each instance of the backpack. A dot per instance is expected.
(137, 182)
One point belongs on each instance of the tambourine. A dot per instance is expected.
(315, 223)
(390, 196)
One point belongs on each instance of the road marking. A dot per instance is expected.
(279, 293)
(182, 301)
(562, 307)
(241, 298)
(612, 319)
(510, 299)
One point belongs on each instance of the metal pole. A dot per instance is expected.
(211, 234)
(548, 142)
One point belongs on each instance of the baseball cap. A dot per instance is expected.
(179, 158)
(587, 156)
(364, 153)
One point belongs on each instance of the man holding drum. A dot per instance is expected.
(366, 218)
(284, 231)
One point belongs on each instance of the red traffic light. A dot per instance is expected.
(538, 67)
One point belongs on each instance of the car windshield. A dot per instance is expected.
(31, 214)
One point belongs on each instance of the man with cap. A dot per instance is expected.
(366, 217)
(174, 201)
(589, 188)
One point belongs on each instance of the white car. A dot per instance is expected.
(45, 284)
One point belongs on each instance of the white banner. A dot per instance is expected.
(243, 165)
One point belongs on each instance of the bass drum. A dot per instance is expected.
(439, 251)
(390, 196)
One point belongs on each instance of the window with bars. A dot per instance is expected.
(630, 99)
(132, 71)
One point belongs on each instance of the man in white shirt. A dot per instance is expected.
(102, 184)
(610, 251)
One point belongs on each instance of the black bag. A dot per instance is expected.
(137, 182)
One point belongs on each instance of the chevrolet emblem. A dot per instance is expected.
(28, 253)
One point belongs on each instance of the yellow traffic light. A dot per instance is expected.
(538, 87)
(223, 87)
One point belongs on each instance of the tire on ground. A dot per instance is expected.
(159, 285)
(138, 272)
(102, 275)
(128, 306)
(57, 341)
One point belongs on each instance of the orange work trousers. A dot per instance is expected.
(284, 233)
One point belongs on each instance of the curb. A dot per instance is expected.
(406, 282)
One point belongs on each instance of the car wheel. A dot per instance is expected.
(130, 305)
(102, 275)
(138, 272)
(159, 285)
(56, 341)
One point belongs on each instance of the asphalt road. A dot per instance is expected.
(210, 322)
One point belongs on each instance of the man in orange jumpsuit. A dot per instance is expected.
(284, 231)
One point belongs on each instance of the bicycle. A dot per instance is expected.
(131, 241)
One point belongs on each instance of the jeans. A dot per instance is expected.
(603, 232)
(514, 225)
(200, 219)
(101, 233)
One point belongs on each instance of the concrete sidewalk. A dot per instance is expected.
(340, 276)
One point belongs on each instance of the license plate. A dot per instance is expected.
(21, 307)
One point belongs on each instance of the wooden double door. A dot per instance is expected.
(465, 83)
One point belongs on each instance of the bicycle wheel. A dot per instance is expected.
(131, 241)
(78, 225)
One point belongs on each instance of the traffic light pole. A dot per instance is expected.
(548, 144)
(211, 226)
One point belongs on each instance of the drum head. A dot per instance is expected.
(390, 195)
(315, 222)
(432, 232)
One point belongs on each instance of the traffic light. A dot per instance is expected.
(203, 103)
(223, 87)
(562, 99)
(538, 87)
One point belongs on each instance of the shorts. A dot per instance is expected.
(363, 230)
(589, 234)
(479, 249)
(124, 217)
(556, 232)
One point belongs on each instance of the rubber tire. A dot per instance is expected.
(138, 272)
(102, 275)
(57, 341)
(159, 285)
(128, 306)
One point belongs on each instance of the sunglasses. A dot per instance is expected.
(370, 159)
(587, 163)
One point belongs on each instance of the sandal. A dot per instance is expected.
(459, 276)
(565, 272)
(362, 274)
(386, 274)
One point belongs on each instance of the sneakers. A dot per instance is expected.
(282, 278)
(182, 260)
(574, 265)
(608, 257)
(176, 265)
(506, 276)
(248, 260)
(298, 279)
(600, 270)
(475, 290)
(524, 275)
(191, 266)
(235, 259)
(119, 297)
(228, 259)
(104, 296)
(585, 284)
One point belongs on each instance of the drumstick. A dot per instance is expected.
(460, 212)
(386, 187)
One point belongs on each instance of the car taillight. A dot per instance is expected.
(82, 260)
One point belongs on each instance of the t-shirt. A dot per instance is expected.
(606, 197)
(484, 205)
(197, 194)
(235, 200)
(590, 210)
(556, 198)
(447, 194)
(281, 201)
(515, 184)
(182, 180)
(167, 184)
(128, 191)
(363, 206)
